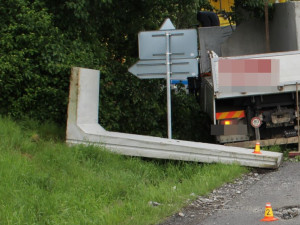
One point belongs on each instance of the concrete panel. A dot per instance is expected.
(87, 110)
(89, 132)
(248, 38)
(283, 32)
(210, 39)
(297, 22)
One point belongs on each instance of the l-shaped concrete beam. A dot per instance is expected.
(83, 128)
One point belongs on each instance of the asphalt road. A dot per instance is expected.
(281, 188)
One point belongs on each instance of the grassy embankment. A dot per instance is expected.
(42, 181)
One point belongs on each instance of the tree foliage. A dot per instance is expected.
(245, 9)
(40, 40)
(35, 60)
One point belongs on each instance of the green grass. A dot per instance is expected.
(284, 149)
(43, 181)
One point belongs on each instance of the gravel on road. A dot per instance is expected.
(218, 199)
(244, 201)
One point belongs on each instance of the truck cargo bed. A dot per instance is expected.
(288, 74)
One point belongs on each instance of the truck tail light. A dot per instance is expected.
(227, 122)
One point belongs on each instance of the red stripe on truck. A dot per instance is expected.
(230, 115)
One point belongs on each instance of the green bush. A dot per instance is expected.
(35, 62)
(42, 39)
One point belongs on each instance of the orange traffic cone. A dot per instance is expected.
(257, 148)
(268, 214)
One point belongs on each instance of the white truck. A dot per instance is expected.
(243, 88)
(246, 84)
(248, 93)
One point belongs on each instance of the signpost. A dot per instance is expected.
(256, 123)
(169, 54)
(168, 63)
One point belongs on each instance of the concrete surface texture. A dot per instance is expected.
(83, 128)
(249, 36)
(280, 188)
(210, 39)
(283, 31)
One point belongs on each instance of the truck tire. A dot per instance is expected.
(208, 19)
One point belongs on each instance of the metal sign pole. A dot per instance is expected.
(257, 134)
(297, 105)
(256, 123)
(168, 64)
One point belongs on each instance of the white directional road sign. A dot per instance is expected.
(167, 53)
(183, 44)
(156, 69)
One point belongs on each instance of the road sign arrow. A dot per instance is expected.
(156, 69)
